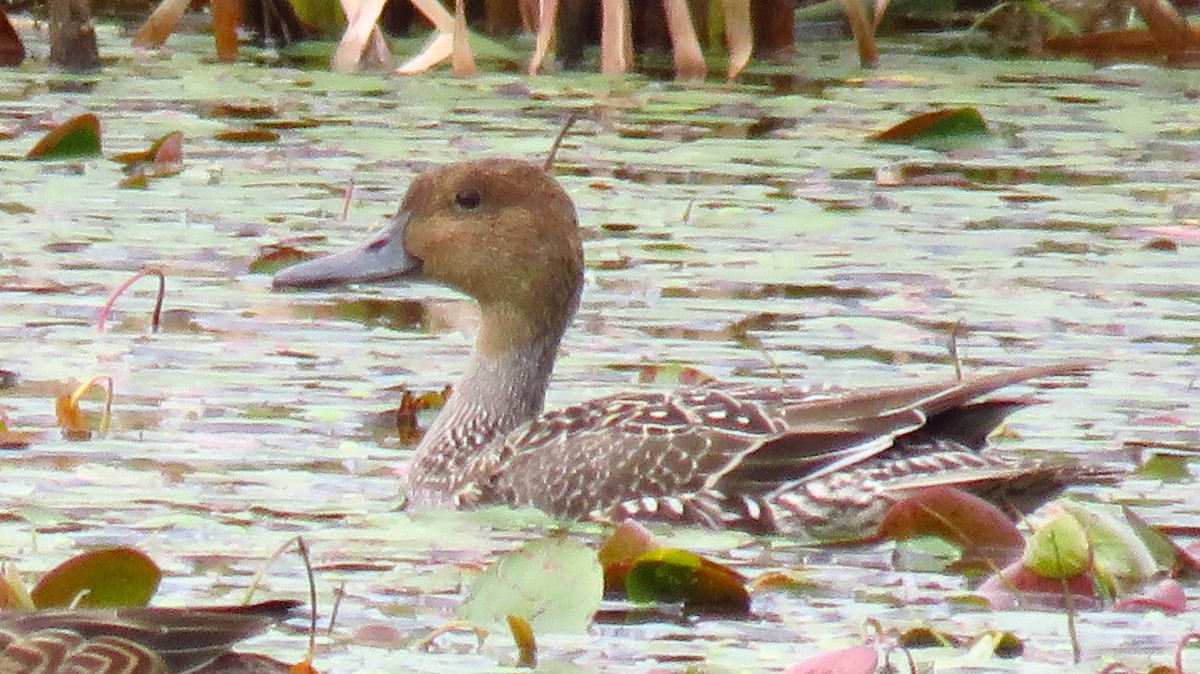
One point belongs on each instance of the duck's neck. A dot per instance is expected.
(504, 387)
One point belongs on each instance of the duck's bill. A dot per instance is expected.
(380, 259)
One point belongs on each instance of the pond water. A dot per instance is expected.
(750, 231)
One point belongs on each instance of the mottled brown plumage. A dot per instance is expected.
(791, 459)
(128, 640)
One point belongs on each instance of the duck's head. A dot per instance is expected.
(502, 231)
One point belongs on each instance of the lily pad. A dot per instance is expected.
(555, 584)
(76, 137)
(106, 578)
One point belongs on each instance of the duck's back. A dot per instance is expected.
(811, 460)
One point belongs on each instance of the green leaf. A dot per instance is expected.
(76, 137)
(939, 129)
(1120, 556)
(1059, 549)
(674, 575)
(555, 584)
(105, 578)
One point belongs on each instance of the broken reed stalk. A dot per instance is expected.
(347, 196)
(156, 317)
(954, 332)
(338, 593)
(302, 549)
(562, 133)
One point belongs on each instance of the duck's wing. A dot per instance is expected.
(129, 640)
(698, 453)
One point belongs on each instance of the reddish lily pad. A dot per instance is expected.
(275, 257)
(76, 137)
(674, 575)
(853, 660)
(168, 149)
(105, 578)
(1167, 596)
(1017, 580)
(984, 534)
(628, 541)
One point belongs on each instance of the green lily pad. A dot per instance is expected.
(76, 137)
(939, 129)
(555, 584)
(105, 578)
(674, 575)
(1059, 549)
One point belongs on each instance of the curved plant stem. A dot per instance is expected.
(156, 318)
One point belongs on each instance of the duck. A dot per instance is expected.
(803, 460)
(151, 640)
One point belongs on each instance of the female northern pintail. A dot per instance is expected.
(820, 460)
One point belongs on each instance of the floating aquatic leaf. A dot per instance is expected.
(985, 534)
(1166, 596)
(627, 542)
(410, 405)
(554, 583)
(167, 150)
(108, 577)
(939, 128)
(247, 136)
(241, 110)
(1017, 584)
(1119, 555)
(274, 257)
(853, 660)
(76, 137)
(674, 575)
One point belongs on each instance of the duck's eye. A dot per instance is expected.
(468, 198)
